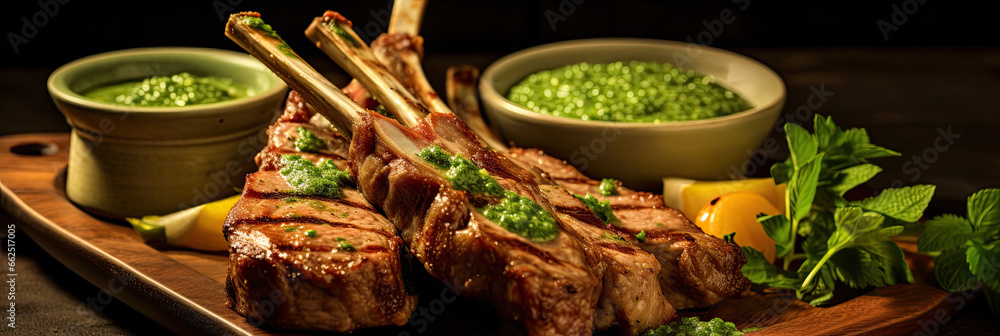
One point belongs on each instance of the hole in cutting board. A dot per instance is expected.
(35, 149)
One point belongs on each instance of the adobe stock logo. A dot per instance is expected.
(30, 28)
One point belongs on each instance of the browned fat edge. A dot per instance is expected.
(335, 16)
(263, 220)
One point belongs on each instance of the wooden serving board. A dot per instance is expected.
(183, 290)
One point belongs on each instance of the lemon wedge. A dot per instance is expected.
(198, 228)
(689, 196)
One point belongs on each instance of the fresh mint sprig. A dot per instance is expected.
(969, 246)
(837, 240)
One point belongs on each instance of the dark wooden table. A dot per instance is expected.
(908, 99)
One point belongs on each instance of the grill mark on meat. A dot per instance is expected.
(321, 287)
(619, 247)
(305, 220)
(571, 180)
(253, 194)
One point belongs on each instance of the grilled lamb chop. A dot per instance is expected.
(631, 300)
(551, 286)
(698, 270)
(281, 277)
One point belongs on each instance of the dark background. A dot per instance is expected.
(940, 69)
(82, 28)
(482, 30)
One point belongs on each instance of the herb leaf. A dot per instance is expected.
(952, 271)
(781, 172)
(759, 271)
(984, 208)
(906, 204)
(856, 227)
(982, 258)
(944, 232)
(828, 135)
(802, 188)
(862, 147)
(779, 229)
(802, 145)
(851, 177)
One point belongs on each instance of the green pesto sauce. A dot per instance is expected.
(626, 91)
(601, 209)
(614, 237)
(521, 215)
(343, 34)
(515, 213)
(310, 202)
(691, 326)
(345, 245)
(607, 187)
(462, 173)
(179, 90)
(308, 141)
(258, 24)
(309, 179)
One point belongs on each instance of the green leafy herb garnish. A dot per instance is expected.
(308, 141)
(841, 241)
(311, 233)
(641, 236)
(970, 247)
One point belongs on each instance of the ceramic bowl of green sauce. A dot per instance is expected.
(156, 130)
(636, 110)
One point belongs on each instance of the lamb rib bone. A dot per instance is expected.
(406, 16)
(551, 287)
(287, 65)
(326, 29)
(286, 244)
(462, 98)
(405, 19)
(631, 270)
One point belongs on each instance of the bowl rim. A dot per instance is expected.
(57, 82)
(489, 92)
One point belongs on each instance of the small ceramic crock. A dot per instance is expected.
(134, 161)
